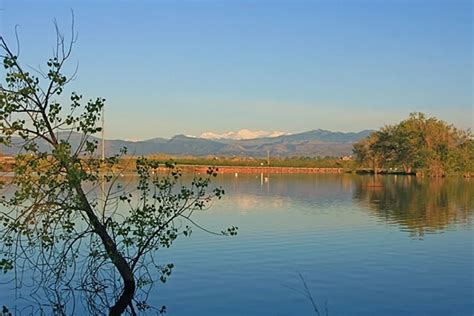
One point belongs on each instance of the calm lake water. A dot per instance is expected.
(383, 245)
(366, 245)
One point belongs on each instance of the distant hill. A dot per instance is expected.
(242, 134)
(313, 143)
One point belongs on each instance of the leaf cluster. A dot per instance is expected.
(419, 144)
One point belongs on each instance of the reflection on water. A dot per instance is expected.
(415, 204)
(333, 229)
(346, 234)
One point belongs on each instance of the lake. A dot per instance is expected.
(364, 245)
(383, 245)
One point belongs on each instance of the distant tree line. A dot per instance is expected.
(422, 145)
(301, 162)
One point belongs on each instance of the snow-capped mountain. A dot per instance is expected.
(245, 143)
(242, 134)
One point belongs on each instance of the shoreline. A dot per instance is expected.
(257, 170)
(229, 169)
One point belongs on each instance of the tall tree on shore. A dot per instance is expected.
(421, 144)
(50, 210)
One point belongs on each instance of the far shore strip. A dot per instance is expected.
(246, 169)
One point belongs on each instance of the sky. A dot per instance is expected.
(188, 67)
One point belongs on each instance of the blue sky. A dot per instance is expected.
(170, 67)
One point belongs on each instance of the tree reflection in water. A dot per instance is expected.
(418, 205)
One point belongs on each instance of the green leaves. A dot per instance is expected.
(49, 214)
(5, 311)
(418, 144)
(231, 231)
(6, 265)
(166, 272)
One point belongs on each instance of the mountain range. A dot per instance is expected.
(313, 143)
(242, 134)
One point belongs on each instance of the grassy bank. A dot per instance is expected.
(255, 165)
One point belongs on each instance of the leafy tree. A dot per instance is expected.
(55, 226)
(367, 153)
(419, 144)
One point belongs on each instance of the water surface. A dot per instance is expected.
(385, 245)
(365, 245)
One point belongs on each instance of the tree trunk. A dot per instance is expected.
(118, 260)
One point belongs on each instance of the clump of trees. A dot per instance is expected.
(64, 224)
(419, 144)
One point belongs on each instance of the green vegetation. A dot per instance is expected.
(66, 225)
(426, 146)
(299, 162)
(127, 163)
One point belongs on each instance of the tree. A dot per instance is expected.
(419, 144)
(51, 209)
(366, 153)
